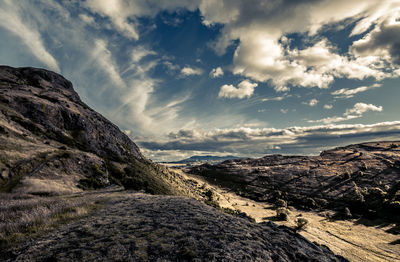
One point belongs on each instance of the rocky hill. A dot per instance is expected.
(365, 178)
(51, 143)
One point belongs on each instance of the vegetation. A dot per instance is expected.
(24, 215)
(282, 214)
(301, 223)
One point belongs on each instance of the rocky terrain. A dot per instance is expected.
(359, 179)
(53, 143)
(53, 148)
(141, 227)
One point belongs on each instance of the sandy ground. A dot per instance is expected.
(353, 241)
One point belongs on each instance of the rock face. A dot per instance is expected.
(51, 142)
(363, 177)
(139, 227)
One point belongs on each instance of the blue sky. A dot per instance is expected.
(237, 77)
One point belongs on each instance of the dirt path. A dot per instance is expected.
(353, 241)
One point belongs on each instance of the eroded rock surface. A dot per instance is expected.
(140, 227)
(53, 143)
(364, 177)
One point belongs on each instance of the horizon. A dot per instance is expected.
(242, 78)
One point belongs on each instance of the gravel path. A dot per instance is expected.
(141, 227)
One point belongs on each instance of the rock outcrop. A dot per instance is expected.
(51, 142)
(139, 227)
(363, 177)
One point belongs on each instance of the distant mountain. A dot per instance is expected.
(204, 159)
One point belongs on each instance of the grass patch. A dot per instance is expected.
(23, 216)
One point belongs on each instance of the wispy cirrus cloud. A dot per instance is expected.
(12, 20)
(349, 93)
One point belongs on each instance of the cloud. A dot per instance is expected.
(356, 112)
(312, 102)
(87, 19)
(278, 98)
(349, 93)
(260, 141)
(190, 71)
(245, 89)
(105, 61)
(216, 72)
(328, 106)
(11, 19)
(264, 52)
(118, 12)
(361, 108)
(124, 14)
(383, 40)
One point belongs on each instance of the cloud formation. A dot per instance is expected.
(11, 19)
(265, 53)
(356, 112)
(216, 72)
(260, 141)
(349, 93)
(244, 89)
(312, 102)
(190, 71)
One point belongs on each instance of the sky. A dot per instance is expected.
(221, 77)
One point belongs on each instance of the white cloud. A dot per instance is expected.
(245, 89)
(216, 72)
(118, 12)
(12, 20)
(361, 108)
(348, 93)
(328, 106)
(190, 71)
(356, 112)
(264, 52)
(383, 42)
(312, 102)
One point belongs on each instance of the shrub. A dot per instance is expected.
(282, 214)
(280, 203)
(301, 223)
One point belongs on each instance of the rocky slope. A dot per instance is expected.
(52, 143)
(140, 227)
(364, 178)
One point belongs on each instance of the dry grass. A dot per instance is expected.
(23, 215)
